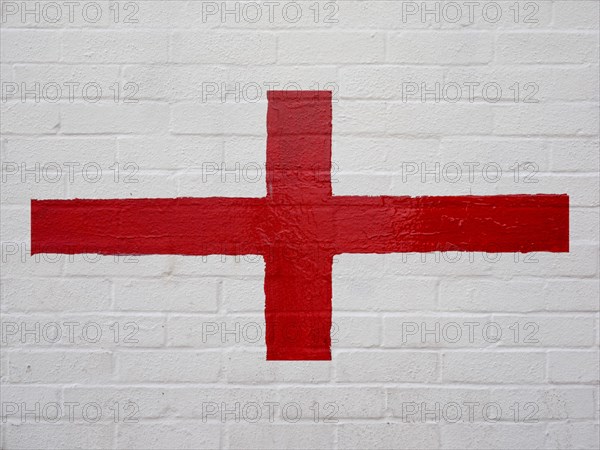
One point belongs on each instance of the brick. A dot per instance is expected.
(223, 48)
(430, 48)
(329, 405)
(386, 366)
(528, 295)
(30, 118)
(251, 367)
(582, 435)
(576, 14)
(546, 331)
(189, 295)
(269, 436)
(547, 120)
(573, 366)
(546, 48)
(219, 118)
(158, 366)
(56, 367)
(509, 436)
(97, 46)
(147, 118)
(56, 295)
(216, 331)
(493, 367)
(388, 435)
(30, 46)
(438, 119)
(178, 434)
(338, 47)
(60, 435)
(387, 294)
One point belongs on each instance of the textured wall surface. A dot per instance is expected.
(148, 99)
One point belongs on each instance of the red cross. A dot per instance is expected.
(299, 226)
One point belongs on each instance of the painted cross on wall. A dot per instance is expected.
(299, 226)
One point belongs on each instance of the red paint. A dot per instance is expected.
(299, 226)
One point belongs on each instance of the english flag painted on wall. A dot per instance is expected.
(299, 226)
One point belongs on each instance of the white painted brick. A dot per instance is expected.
(198, 403)
(518, 295)
(386, 366)
(82, 331)
(30, 395)
(56, 294)
(328, 48)
(584, 435)
(49, 14)
(94, 265)
(14, 231)
(230, 180)
(58, 435)
(546, 48)
(104, 76)
(251, 367)
(493, 367)
(584, 224)
(218, 118)
(58, 367)
(170, 153)
(343, 402)
(126, 181)
(181, 295)
(581, 259)
(575, 155)
(437, 48)
(223, 48)
(576, 14)
(352, 117)
(179, 434)
(115, 47)
(573, 366)
(560, 403)
(350, 293)
(546, 119)
(30, 46)
(245, 294)
(355, 332)
(60, 150)
(384, 81)
(30, 118)
(164, 366)
(509, 436)
(270, 436)
(216, 331)
(412, 405)
(388, 435)
(149, 402)
(523, 84)
(376, 15)
(29, 182)
(547, 331)
(499, 16)
(146, 118)
(410, 331)
(172, 82)
(438, 119)
(365, 155)
(153, 15)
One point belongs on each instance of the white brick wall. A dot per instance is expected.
(429, 351)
